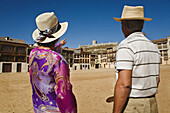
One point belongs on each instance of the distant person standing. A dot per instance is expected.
(49, 71)
(137, 66)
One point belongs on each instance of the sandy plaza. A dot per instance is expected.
(91, 88)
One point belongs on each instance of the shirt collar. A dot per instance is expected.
(139, 34)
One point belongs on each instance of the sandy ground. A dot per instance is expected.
(91, 87)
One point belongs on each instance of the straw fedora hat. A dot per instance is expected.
(132, 13)
(49, 28)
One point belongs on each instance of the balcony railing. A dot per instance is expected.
(165, 46)
(159, 47)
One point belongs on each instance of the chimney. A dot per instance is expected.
(94, 42)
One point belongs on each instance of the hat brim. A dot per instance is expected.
(120, 19)
(57, 35)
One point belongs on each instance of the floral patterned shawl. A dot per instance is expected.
(48, 69)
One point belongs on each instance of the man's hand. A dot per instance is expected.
(122, 90)
(63, 42)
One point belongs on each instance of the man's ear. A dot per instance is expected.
(124, 29)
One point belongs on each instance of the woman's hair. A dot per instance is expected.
(50, 44)
(134, 25)
(46, 44)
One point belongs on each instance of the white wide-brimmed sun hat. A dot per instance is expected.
(49, 28)
(132, 13)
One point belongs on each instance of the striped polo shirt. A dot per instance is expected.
(140, 55)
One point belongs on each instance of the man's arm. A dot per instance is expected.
(122, 90)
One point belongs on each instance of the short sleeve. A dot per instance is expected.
(124, 58)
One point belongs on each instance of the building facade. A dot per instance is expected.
(13, 55)
(111, 56)
(81, 60)
(105, 52)
(102, 57)
(68, 54)
(97, 48)
(93, 61)
(164, 48)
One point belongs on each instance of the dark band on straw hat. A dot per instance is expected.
(48, 33)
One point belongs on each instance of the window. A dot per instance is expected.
(87, 55)
(159, 46)
(20, 49)
(165, 53)
(86, 61)
(92, 59)
(76, 61)
(7, 48)
(164, 45)
(7, 58)
(76, 56)
(93, 56)
(81, 61)
(20, 58)
(71, 60)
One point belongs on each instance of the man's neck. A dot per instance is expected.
(130, 32)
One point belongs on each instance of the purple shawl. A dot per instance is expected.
(48, 69)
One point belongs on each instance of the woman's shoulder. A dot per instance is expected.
(46, 53)
(53, 54)
(32, 51)
(56, 55)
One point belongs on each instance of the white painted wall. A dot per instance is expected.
(14, 67)
(168, 44)
(0, 67)
(24, 67)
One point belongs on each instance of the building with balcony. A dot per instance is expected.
(68, 54)
(13, 55)
(93, 61)
(102, 58)
(81, 59)
(104, 51)
(111, 56)
(164, 48)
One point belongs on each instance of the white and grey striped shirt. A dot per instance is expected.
(140, 55)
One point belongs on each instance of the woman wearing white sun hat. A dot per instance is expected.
(49, 71)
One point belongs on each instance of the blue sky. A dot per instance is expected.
(88, 19)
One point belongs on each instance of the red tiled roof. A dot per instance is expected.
(159, 40)
(12, 40)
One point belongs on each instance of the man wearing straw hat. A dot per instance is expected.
(137, 66)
